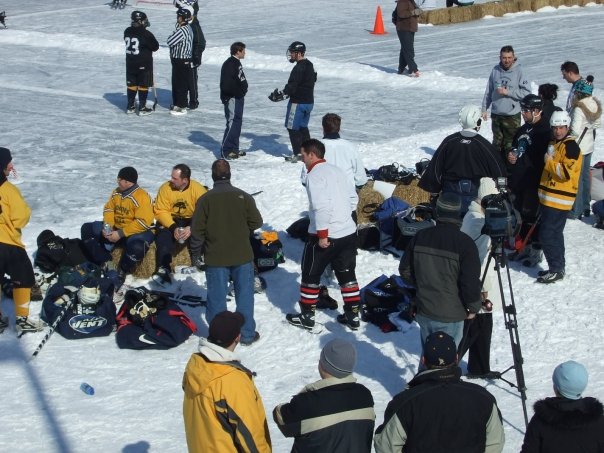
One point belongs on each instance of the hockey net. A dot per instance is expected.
(154, 2)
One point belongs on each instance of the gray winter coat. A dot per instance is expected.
(518, 87)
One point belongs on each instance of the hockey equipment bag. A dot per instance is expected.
(387, 213)
(417, 218)
(383, 296)
(392, 173)
(149, 321)
(368, 236)
(91, 313)
(55, 252)
(268, 250)
(299, 229)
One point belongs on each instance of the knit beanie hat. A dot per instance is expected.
(448, 206)
(338, 358)
(570, 379)
(487, 187)
(440, 350)
(128, 174)
(5, 158)
(584, 87)
(225, 327)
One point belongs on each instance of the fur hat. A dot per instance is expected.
(570, 379)
(5, 158)
(487, 187)
(128, 174)
(225, 327)
(448, 206)
(338, 358)
(440, 350)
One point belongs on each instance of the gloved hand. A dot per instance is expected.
(277, 95)
(199, 262)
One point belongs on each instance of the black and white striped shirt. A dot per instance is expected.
(181, 43)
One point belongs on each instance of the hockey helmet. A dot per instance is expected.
(470, 117)
(89, 293)
(531, 102)
(139, 18)
(295, 47)
(185, 12)
(559, 118)
(584, 87)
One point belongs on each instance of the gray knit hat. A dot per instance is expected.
(338, 358)
(448, 206)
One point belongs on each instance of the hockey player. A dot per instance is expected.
(233, 88)
(300, 90)
(140, 45)
(14, 216)
(181, 56)
(462, 159)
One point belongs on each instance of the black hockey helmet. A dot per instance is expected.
(185, 13)
(297, 46)
(531, 102)
(139, 18)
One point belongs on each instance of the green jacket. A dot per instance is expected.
(223, 221)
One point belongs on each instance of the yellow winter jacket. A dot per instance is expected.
(173, 204)
(130, 211)
(14, 214)
(222, 409)
(560, 178)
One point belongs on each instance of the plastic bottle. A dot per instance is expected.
(180, 231)
(87, 388)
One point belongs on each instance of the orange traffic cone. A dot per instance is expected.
(378, 27)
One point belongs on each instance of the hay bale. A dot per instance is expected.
(522, 5)
(538, 4)
(180, 256)
(412, 194)
(461, 14)
(436, 17)
(367, 198)
(145, 269)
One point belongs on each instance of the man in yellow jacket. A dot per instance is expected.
(557, 192)
(222, 409)
(127, 221)
(174, 206)
(14, 216)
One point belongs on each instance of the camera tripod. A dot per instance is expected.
(511, 324)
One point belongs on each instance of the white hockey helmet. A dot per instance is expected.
(470, 117)
(89, 295)
(559, 118)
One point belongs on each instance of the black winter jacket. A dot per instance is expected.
(526, 172)
(301, 84)
(140, 45)
(561, 425)
(199, 41)
(329, 416)
(463, 155)
(233, 83)
(443, 264)
(440, 413)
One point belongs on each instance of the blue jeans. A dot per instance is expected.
(217, 280)
(551, 236)
(406, 57)
(297, 116)
(233, 112)
(584, 193)
(428, 326)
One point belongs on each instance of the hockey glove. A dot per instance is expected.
(277, 96)
(199, 262)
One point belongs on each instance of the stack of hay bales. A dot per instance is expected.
(145, 269)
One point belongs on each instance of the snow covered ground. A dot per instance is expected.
(62, 101)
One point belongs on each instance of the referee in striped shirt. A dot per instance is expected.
(181, 56)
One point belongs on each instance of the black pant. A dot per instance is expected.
(406, 56)
(341, 254)
(15, 262)
(477, 339)
(182, 80)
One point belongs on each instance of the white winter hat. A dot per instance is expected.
(487, 187)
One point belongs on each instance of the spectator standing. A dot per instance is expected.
(570, 73)
(233, 88)
(507, 85)
(222, 408)
(440, 412)
(548, 92)
(557, 192)
(407, 14)
(585, 114)
(443, 265)
(222, 223)
(567, 421)
(334, 414)
(199, 46)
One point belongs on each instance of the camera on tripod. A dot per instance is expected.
(501, 220)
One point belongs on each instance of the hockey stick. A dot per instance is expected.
(54, 325)
(154, 96)
(181, 299)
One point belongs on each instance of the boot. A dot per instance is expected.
(305, 319)
(350, 316)
(326, 302)
(534, 257)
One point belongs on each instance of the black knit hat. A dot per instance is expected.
(5, 157)
(225, 327)
(128, 174)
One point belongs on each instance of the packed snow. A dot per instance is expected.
(62, 98)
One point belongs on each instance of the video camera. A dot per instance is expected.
(501, 219)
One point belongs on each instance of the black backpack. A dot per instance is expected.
(383, 296)
(54, 252)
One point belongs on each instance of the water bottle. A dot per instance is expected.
(180, 232)
(86, 388)
(107, 229)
